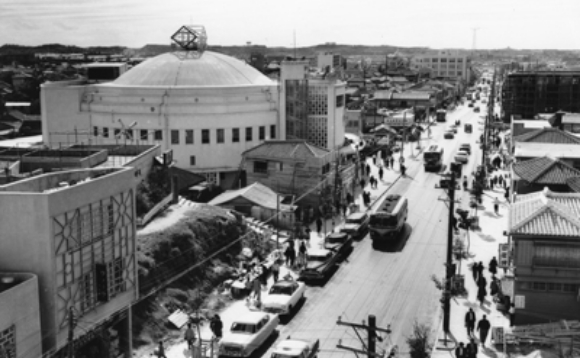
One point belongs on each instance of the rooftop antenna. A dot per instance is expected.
(295, 44)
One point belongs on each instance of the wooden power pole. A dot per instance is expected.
(369, 348)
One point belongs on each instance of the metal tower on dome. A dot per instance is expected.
(191, 38)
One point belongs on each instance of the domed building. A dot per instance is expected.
(205, 106)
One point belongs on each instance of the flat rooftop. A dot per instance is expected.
(10, 280)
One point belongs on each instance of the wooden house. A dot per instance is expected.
(296, 167)
(535, 174)
(544, 228)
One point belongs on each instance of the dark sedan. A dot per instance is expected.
(321, 262)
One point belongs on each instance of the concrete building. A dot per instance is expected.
(328, 59)
(206, 107)
(75, 230)
(528, 93)
(544, 229)
(444, 64)
(20, 335)
(311, 106)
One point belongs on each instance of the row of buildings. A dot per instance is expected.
(543, 225)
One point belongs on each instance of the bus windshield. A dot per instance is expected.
(432, 155)
(383, 220)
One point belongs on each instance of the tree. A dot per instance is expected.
(419, 341)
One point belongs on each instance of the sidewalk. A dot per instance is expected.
(483, 245)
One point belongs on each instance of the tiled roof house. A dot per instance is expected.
(534, 174)
(545, 230)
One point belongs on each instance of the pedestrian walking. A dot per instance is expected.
(290, 254)
(392, 162)
(216, 325)
(403, 169)
(460, 351)
(505, 183)
(480, 269)
(302, 254)
(368, 169)
(507, 195)
(474, 271)
(512, 313)
(483, 327)
(471, 349)
(374, 159)
(318, 225)
(257, 290)
(465, 182)
(275, 271)
(161, 350)
(362, 183)
(481, 281)
(470, 320)
(496, 206)
(189, 336)
(381, 173)
(344, 208)
(373, 182)
(493, 266)
(493, 287)
(349, 198)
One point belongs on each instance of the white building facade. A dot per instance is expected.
(445, 64)
(207, 109)
(311, 107)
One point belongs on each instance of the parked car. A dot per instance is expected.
(471, 104)
(453, 128)
(461, 157)
(283, 297)
(320, 262)
(449, 134)
(294, 348)
(468, 128)
(465, 147)
(356, 225)
(247, 333)
(476, 109)
(203, 192)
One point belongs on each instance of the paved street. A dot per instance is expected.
(393, 284)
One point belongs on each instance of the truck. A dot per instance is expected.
(296, 348)
(389, 219)
(433, 157)
(400, 120)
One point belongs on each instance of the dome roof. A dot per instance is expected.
(174, 69)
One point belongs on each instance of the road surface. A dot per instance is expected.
(395, 285)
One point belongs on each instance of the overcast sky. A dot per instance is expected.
(530, 24)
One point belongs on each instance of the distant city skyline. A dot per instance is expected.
(518, 24)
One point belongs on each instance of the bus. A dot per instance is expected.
(433, 157)
(441, 115)
(389, 219)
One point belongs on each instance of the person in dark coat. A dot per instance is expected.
(493, 266)
(481, 281)
(290, 254)
(483, 327)
(507, 195)
(494, 287)
(368, 169)
(362, 183)
(460, 351)
(318, 225)
(471, 349)
(480, 269)
(475, 271)
(470, 320)
(381, 172)
(392, 160)
(216, 326)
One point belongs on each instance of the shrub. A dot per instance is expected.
(419, 341)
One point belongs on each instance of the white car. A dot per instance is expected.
(283, 297)
(462, 157)
(294, 348)
(247, 333)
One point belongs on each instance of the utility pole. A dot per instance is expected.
(71, 332)
(449, 272)
(369, 348)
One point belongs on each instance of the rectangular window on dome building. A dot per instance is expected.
(192, 160)
(235, 135)
(105, 132)
(95, 131)
(144, 135)
(174, 136)
(273, 131)
(262, 133)
(220, 136)
(249, 134)
(189, 136)
(158, 135)
(205, 136)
